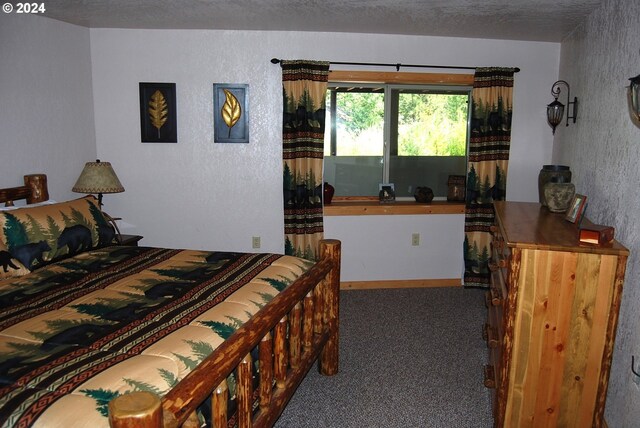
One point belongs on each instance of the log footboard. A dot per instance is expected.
(299, 326)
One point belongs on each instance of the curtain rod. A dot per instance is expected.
(397, 65)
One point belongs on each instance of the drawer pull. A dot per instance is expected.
(491, 336)
(489, 377)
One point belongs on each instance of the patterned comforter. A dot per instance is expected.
(77, 333)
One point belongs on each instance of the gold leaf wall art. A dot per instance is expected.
(231, 110)
(231, 113)
(158, 112)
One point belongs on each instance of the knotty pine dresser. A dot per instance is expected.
(552, 315)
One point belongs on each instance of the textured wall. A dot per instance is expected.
(199, 194)
(46, 101)
(603, 150)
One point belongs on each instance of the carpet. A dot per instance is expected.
(408, 358)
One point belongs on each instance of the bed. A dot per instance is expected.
(98, 334)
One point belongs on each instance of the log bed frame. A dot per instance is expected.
(297, 327)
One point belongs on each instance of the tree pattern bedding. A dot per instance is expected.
(78, 332)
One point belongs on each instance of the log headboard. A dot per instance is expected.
(34, 190)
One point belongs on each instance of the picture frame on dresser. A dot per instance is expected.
(576, 208)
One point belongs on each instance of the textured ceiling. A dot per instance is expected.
(537, 20)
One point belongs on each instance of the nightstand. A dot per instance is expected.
(130, 240)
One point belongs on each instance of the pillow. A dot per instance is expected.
(39, 235)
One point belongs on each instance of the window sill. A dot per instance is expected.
(365, 207)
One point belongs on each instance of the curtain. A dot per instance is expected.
(491, 104)
(304, 86)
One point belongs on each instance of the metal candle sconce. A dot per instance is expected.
(555, 110)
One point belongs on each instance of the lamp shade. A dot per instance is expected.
(98, 177)
(555, 111)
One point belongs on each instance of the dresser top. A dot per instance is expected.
(530, 225)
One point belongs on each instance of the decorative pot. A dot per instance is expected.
(558, 196)
(328, 192)
(424, 195)
(552, 173)
(456, 184)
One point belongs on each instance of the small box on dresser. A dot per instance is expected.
(553, 311)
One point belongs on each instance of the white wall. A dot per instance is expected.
(379, 247)
(46, 102)
(199, 194)
(603, 150)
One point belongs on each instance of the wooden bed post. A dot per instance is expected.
(330, 248)
(139, 409)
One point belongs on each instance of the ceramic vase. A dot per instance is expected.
(328, 192)
(558, 196)
(552, 173)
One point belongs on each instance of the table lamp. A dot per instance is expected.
(98, 177)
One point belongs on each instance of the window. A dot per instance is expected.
(408, 135)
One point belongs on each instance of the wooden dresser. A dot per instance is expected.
(553, 311)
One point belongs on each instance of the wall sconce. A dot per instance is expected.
(555, 110)
(634, 97)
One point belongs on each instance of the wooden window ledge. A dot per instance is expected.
(365, 207)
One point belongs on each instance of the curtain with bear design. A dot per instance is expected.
(304, 85)
(488, 158)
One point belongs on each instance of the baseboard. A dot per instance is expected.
(403, 283)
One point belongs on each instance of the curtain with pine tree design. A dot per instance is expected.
(491, 114)
(304, 86)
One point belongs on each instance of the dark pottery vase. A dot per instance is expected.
(552, 173)
(328, 192)
(424, 195)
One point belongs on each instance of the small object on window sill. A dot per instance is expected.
(596, 234)
(423, 194)
(328, 192)
(456, 185)
(387, 194)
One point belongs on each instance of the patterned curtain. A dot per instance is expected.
(304, 86)
(491, 103)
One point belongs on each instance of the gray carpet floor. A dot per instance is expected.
(408, 358)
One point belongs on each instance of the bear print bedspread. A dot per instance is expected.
(78, 332)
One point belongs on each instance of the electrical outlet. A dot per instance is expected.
(255, 242)
(415, 239)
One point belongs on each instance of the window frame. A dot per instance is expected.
(462, 81)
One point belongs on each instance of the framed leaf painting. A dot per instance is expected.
(230, 113)
(158, 112)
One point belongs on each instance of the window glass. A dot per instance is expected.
(425, 127)
(354, 147)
